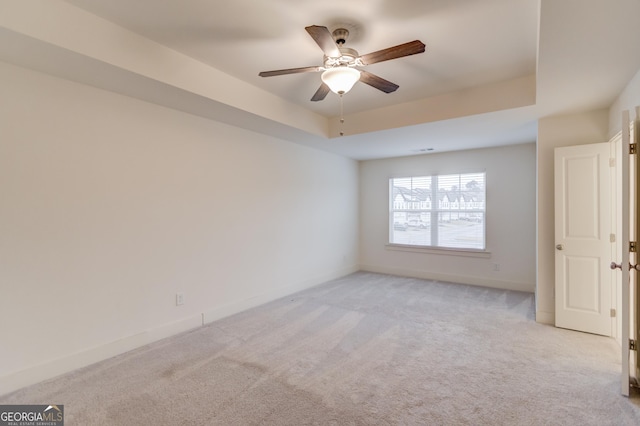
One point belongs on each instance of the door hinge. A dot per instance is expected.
(633, 148)
(633, 345)
(612, 162)
(633, 246)
(612, 238)
(612, 312)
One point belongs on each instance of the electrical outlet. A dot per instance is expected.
(179, 299)
(496, 266)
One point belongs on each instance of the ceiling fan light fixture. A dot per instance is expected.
(340, 79)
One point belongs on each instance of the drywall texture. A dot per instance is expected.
(511, 219)
(553, 132)
(110, 206)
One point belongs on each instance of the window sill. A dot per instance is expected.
(440, 250)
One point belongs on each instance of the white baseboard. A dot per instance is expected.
(546, 317)
(461, 279)
(229, 309)
(51, 369)
(48, 370)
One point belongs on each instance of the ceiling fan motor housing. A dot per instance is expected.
(348, 58)
(340, 35)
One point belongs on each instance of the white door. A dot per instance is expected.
(583, 238)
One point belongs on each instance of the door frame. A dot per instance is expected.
(630, 277)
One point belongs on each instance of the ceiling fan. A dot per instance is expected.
(339, 64)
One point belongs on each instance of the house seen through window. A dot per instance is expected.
(445, 211)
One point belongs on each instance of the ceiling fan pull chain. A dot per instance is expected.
(341, 116)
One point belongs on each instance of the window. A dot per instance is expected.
(438, 211)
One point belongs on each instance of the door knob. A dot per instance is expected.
(560, 247)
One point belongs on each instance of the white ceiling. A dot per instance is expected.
(469, 43)
(564, 55)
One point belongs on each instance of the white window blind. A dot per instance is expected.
(438, 211)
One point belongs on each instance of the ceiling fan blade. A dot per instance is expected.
(377, 82)
(323, 37)
(321, 93)
(289, 71)
(406, 49)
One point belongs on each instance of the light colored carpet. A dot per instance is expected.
(367, 349)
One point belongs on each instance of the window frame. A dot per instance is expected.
(433, 211)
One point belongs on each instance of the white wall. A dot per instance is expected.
(565, 130)
(629, 99)
(510, 173)
(109, 206)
